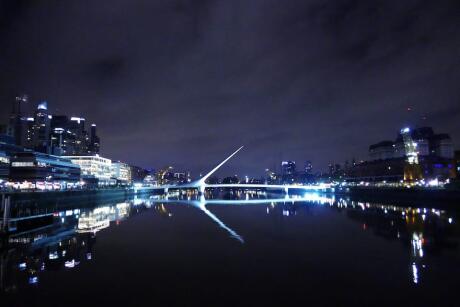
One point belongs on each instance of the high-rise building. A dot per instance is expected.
(52, 134)
(95, 143)
(69, 136)
(308, 167)
(40, 136)
(16, 127)
(288, 172)
(288, 167)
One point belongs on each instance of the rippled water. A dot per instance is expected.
(254, 250)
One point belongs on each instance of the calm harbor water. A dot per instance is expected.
(245, 249)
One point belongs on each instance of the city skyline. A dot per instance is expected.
(170, 82)
(215, 152)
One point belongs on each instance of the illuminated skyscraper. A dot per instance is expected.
(94, 144)
(288, 167)
(41, 129)
(69, 136)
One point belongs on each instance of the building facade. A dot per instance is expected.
(52, 134)
(121, 172)
(414, 155)
(95, 167)
(39, 167)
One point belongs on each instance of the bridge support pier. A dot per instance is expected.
(201, 189)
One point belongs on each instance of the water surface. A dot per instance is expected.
(254, 250)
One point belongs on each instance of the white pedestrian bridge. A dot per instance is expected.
(201, 184)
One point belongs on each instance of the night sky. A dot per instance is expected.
(184, 83)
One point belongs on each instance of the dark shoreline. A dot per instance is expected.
(442, 199)
(70, 197)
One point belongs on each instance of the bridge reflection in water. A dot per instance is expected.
(67, 239)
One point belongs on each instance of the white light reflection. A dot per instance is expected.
(414, 273)
(202, 206)
(417, 244)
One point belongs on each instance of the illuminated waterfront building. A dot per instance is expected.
(7, 150)
(94, 167)
(39, 167)
(415, 154)
(169, 176)
(121, 172)
(428, 144)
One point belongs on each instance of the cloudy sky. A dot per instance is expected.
(184, 83)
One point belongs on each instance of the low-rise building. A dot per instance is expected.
(121, 172)
(415, 154)
(39, 167)
(7, 149)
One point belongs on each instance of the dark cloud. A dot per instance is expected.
(185, 82)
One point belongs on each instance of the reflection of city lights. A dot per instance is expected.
(99, 218)
(415, 273)
(71, 264)
(33, 280)
(53, 255)
(417, 242)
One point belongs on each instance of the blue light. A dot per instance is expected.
(43, 105)
(33, 280)
(405, 130)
